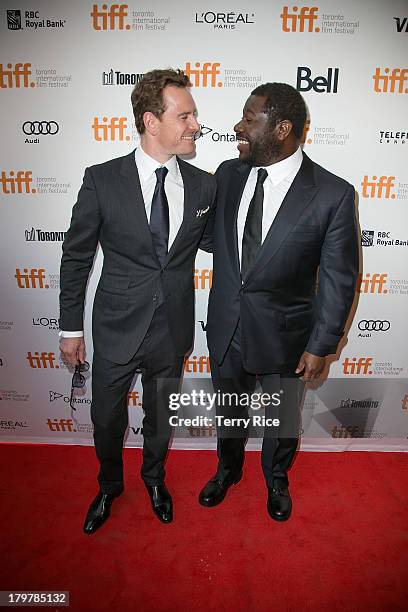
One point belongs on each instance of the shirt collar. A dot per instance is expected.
(146, 165)
(286, 167)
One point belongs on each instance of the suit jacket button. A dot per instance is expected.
(155, 297)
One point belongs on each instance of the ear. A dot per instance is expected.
(283, 129)
(150, 122)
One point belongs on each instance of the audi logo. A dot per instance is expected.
(37, 128)
(374, 325)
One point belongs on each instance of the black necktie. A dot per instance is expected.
(252, 238)
(159, 216)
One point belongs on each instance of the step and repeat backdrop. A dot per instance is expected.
(66, 74)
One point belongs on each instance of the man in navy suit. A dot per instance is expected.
(282, 222)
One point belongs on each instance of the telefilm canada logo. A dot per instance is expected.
(116, 77)
(32, 20)
(392, 137)
(224, 21)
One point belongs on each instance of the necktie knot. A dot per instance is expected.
(262, 175)
(161, 173)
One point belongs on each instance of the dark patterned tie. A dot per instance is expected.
(252, 238)
(159, 216)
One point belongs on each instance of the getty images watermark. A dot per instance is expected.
(222, 401)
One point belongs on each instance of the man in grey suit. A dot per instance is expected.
(281, 222)
(149, 211)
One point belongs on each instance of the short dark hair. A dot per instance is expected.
(283, 102)
(147, 95)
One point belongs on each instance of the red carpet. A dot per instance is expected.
(345, 547)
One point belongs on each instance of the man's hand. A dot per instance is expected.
(312, 365)
(73, 350)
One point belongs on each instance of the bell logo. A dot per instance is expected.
(196, 364)
(17, 182)
(45, 360)
(134, 399)
(374, 187)
(112, 128)
(31, 278)
(109, 19)
(386, 82)
(297, 20)
(203, 278)
(357, 366)
(61, 424)
(201, 74)
(15, 77)
(321, 84)
(371, 284)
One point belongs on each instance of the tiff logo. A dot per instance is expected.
(203, 278)
(374, 187)
(15, 77)
(112, 19)
(196, 364)
(45, 360)
(372, 284)
(360, 366)
(401, 23)
(297, 20)
(134, 399)
(17, 184)
(404, 402)
(61, 424)
(110, 129)
(385, 83)
(201, 74)
(31, 278)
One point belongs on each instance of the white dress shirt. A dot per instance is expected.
(174, 188)
(276, 185)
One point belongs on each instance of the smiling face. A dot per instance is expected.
(172, 133)
(258, 142)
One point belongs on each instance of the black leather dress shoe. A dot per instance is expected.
(216, 489)
(279, 503)
(99, 511)
(162, 503)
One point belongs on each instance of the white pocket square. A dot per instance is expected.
(202, 211)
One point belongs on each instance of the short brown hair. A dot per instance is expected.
(147, 95)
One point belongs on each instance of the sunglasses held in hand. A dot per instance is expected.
(78, 380)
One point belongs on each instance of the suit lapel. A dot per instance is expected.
(298, 197)
(132, 200)
(191, 182)
(233, 196)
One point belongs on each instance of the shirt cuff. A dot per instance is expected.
(71, 334)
